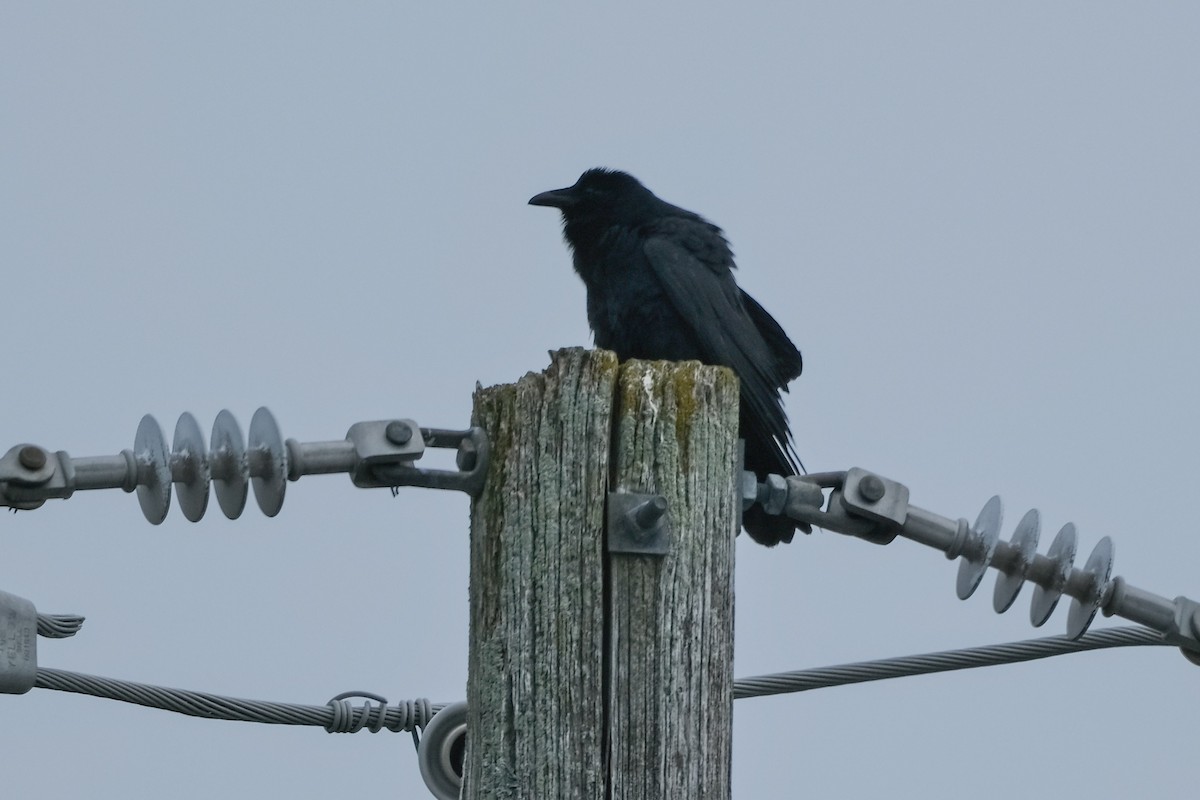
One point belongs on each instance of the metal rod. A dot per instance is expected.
(320, 458)
(1138, 605)
(932, 530)
(104, 472)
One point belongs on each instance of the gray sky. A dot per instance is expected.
(978, 223)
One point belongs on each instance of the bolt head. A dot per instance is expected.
(32, 457)
(871, 488)
(648, 513)
(398, 433)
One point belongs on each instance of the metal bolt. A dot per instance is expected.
(467, 455)
(397, 432)
(648, 513)
(32, 458)
(749, 488)
(871, 488)
(777, 493)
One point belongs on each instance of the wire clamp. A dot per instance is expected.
(18, 644)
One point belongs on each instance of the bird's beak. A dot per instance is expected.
(555, 198)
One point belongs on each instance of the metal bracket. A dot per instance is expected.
(875, 497)
(638, 524)
(471, 459)
(30, 475)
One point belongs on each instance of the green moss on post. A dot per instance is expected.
(671, 618)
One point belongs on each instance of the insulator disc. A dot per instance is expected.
(1062, 553)
(267, 451)
(987, 530)
(440, 754)
(1099, 566)
(193, 487)
(1024, 541)
(227, 461)
(154, 470)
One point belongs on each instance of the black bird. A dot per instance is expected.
(660, 286)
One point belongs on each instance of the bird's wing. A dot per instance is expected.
(788, 362)
(693, 263)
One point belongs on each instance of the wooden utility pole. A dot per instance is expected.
(592, 674)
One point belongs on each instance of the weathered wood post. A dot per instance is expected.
(595, 675)
(671, 618)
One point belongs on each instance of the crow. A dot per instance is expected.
(660, 286)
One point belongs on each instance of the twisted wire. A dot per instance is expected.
(927, 663)
(340, 715)
(407, 715)
(58, 626)
(337, 716)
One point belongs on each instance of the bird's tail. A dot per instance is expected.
(767, 529)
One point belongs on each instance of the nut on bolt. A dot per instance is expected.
(32, 457)
(467, 456)
(398, 433)
(774, 494)
(871, 488)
